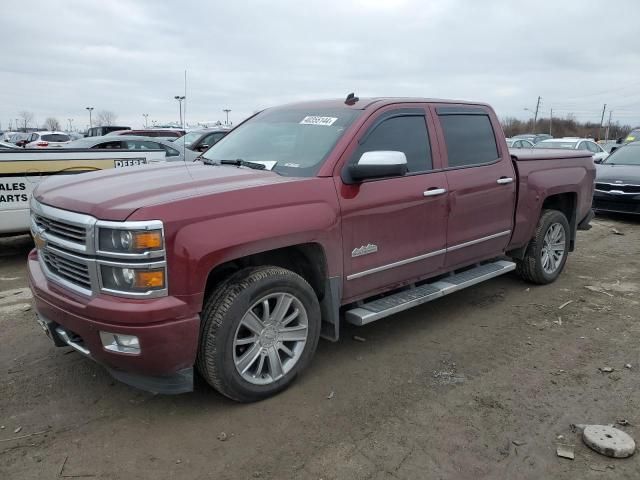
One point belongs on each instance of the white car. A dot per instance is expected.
(519, 143)
(575, 143)
(47, 140)
(7, 146)
(135, 142)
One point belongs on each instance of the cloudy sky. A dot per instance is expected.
(130, 56)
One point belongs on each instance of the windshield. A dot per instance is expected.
(562, 145)
(297, 140)
(629, 155)
(187, 140)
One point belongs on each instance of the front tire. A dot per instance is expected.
(546, 254)
(260, 328)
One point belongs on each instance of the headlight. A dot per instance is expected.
(132, 280)
(129, 241)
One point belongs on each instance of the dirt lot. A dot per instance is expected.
(443, 391)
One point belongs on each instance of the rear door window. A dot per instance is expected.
(469, 138)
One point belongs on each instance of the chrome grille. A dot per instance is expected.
(64, 230)
(607, 187)
(73, 271)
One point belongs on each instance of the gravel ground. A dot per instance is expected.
(483, 384)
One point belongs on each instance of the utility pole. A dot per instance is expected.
(606, 132)
(90, 120)
(180, 98)
(550, 120)
(601, 121)
(226, 110)
(146, 117)
(535, 117)
(70, 124)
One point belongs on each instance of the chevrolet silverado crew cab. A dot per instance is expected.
(301, 218)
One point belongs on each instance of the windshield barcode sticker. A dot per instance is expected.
(311, 120)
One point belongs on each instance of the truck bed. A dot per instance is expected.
(539, 178)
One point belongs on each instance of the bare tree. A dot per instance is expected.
(52, 124)
(105, 118)
(25, 119)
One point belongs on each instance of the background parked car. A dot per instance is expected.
(75, 136)
(532, 137)
(575, 143)
(103, 130)
(519, 143)
(618, 181)
(201, 140)
(166, 134)
(19, 139)
(134, 142)
(7, 146)
(47, 140)
(6, 136)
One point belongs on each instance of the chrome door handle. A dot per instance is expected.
(435, 191)
(504, 180)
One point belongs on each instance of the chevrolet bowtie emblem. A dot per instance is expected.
(39, 240)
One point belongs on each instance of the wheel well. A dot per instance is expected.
(565, 203)
(307, 260)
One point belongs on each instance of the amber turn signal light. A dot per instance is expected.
(147, 240)
(149, 279)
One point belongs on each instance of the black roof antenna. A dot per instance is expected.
(351, 99)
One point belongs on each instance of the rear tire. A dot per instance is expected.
(260, 328)
(547, 252)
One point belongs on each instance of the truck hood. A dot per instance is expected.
(625, 174)
(116, 193)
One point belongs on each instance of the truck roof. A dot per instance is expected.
(376, 102)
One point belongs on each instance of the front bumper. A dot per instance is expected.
(618, 203)
(167, 331)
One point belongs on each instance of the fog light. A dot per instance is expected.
(120, 343)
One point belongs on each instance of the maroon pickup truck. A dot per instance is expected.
(303, 217)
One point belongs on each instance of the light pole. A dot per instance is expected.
(180, 99)
(90, 120)
(226, 110)
(70, 124)
(146, 116)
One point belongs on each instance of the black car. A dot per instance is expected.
(618, 181)
(103, 130)
(201, 140)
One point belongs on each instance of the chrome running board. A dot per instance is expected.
(406, 299)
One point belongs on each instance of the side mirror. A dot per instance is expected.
(597, 160)
(613, 149)
(378, 165)
(203, 148)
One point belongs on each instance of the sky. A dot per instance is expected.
(129, 56)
